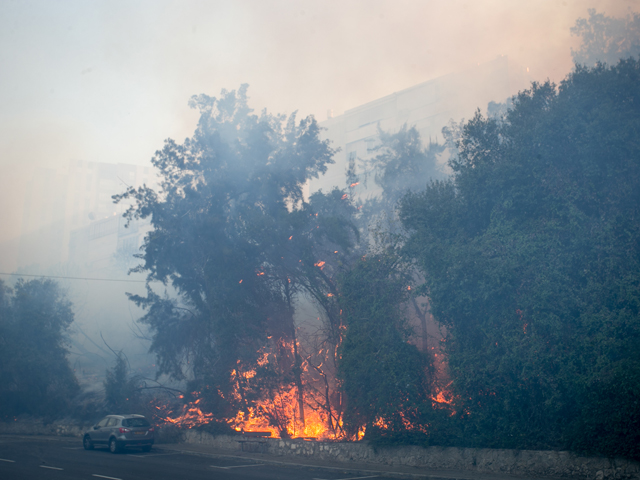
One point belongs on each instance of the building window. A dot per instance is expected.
(371, 144)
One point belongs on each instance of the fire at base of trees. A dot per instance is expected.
(527, 257)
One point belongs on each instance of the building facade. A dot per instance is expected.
(67, 211)
(429, 106)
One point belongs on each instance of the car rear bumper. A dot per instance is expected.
(122, 440)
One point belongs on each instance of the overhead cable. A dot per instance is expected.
(74, 278)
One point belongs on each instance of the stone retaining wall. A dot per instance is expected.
(514, 462)
(36, 426)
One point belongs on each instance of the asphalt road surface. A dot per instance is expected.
(57, 459)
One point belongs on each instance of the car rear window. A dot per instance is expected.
(135, 422)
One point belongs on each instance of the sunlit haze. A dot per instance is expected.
(109, 81)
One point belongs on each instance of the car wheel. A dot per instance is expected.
(113, 446)
(146, 448)
(87, 443)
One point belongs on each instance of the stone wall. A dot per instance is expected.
(514, 462)
(36, 426)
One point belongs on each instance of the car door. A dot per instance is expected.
(99, 431)
(111, 427)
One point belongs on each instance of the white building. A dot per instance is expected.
(60, 203)
(428, 106)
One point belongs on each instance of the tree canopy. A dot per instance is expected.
(606, 39)
(35, 375)
(384, 377)
(531, 257)
(235, 240)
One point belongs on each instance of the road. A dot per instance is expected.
(63, 458)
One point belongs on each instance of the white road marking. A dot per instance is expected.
(102, 476)
(5, 460)
(350, 478)
(51, 468)
(150, 454)
(239, 466)
(311, 465)
(73, 448)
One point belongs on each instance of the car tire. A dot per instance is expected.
(114, 447)
(87, 443)
(146, 448)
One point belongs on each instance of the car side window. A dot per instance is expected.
(103, 422)
(112, 422)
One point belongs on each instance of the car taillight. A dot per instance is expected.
(151, 429)
(124, 430)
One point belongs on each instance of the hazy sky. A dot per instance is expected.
(108, 81)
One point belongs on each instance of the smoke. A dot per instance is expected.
(108, 81)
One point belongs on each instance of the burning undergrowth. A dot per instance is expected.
(267, 398)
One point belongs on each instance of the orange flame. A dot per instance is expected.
(188, 416)
(278, 412)
(282, 407)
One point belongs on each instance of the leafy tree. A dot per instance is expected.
(383, 376)
(531, 259)
(606, 39)
(121, 390)
(235, 241)
(401, 164)
(387, 382)
(35, 376)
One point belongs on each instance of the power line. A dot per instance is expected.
(73, 278)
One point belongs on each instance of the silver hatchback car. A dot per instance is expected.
(118, 431)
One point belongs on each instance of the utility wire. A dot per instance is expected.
(73, 278)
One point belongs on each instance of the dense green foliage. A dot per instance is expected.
(531, 255)
(384, 378)
(35, 376)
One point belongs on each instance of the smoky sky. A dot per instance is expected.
(108, 81)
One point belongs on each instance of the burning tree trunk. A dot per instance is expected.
(422, 315)
(297, 359)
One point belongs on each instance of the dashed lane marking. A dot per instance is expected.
(51, 468)
(238, 466)
(151, 454)
(311, 465)
(350, 478)
(102, 476)
(5, 460)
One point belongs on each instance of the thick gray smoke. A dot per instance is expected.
(91, 90)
